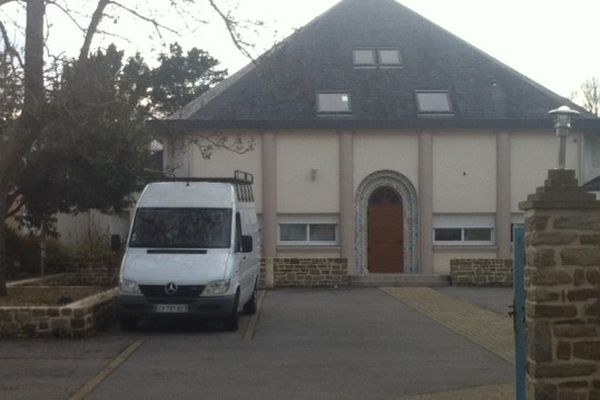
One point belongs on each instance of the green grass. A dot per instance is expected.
(45, 296)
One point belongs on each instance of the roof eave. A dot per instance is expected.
(179, 126)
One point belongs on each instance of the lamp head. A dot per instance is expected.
(563, 116)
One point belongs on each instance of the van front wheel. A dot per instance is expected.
(232, 323)
(251, 305)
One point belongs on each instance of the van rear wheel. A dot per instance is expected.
(251, 305)
(232, 322)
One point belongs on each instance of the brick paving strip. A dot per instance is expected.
(489, 392)
(485, 328)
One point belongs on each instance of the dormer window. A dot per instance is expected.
(364, 58)
(383, 57)
(390, 58)
(333, 103)
(434, 103)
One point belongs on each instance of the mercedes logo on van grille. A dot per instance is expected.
(170, 288)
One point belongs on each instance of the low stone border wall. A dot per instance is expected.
(481, 272)
(76, 320)
(51, 280)
(305, 272)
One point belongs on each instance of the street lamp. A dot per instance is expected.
(563, 115)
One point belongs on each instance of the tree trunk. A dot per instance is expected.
(34, 57)
(3, 258)
(19, 144)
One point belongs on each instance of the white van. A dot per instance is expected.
(193, 250)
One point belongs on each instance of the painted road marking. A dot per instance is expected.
(91, 385)
(251, 329)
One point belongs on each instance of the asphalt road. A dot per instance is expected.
(308, 344)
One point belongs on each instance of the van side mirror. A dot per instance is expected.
(246, 244)
(115, 243)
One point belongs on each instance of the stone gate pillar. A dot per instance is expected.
(563, 290)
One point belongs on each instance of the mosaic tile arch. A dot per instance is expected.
(401, 184)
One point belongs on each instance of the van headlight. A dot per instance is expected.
(127, 286)
(216, 288)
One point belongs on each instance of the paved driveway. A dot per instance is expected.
(305, 344)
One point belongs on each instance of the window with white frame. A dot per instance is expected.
(464, 230)
(310, 230)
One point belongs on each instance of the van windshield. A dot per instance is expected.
(181, 228)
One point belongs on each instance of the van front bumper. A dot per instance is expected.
(206, 307)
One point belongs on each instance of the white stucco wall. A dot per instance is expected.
(464, 172)
(532, 155)
(308, 252)
(223, 162)
(297, 154)
(591, 157)
(381, 150)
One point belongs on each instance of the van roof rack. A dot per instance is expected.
(239, 177)
(242, 180)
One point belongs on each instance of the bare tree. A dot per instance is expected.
(589, 96)
(19, 133)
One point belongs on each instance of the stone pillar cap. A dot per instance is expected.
(560, 191)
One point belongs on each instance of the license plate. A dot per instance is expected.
(171, 308)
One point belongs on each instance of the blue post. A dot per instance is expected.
(519, 312)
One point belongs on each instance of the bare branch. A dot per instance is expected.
(232, 25)
(68, 13)
(207, 144)
(110, 34)
(92, 28)
(591, 95)
(157, 25)
(8, 45)
(180, 13)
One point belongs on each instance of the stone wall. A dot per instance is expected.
(563, 290)
(262, 274)
(308, 272)
(76, 320)
(481, 272)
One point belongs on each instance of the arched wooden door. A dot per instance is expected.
(385, 232)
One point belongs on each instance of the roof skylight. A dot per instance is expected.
(432, 102)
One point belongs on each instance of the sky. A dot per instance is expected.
(551, 41)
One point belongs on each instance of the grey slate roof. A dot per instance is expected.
(282, 85)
